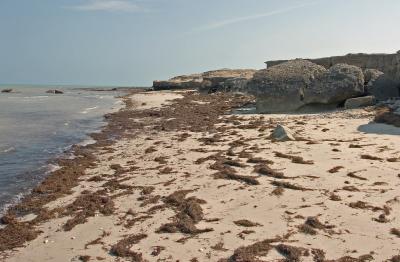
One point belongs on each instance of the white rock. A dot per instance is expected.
(282, 133)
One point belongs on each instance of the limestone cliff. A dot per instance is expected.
(386, 63)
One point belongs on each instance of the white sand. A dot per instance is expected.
(355, 231)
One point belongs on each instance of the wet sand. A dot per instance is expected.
(184, 181)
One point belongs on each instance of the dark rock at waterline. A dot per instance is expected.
(8, 90)
(297, 83)
(55, 91)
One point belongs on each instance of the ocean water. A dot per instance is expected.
(36, 127)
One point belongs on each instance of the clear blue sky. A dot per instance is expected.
(132, 42)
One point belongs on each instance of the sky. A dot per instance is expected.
(133, 42)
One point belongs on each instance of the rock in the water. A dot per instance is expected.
(8, 90)
(294, 84)
(54, 91)
(282, 133)
(379, 85)
(360, 102)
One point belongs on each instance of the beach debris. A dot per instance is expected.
(231, 175)
(86, 205)
(335, 197)
(219, 247)
(335, 169)
(278, 191)
(291, 253)
(157, 250)
(122, 248)
(281, 184)
(312, 224)
(295, 159)
(251, 252)
(15, 235)
(282, 134)
(395, 232)
(369, 157)
(246, 223)
(353, 175)
(188, 213)
(244, 233)
(267, 171)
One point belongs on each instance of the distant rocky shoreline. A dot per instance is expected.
(289, 85)
(351, 81)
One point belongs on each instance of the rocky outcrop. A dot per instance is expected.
(179, 82)
(379, 85)
(54, 91)
(389, 64)
(294, 84)
(8, 90)
(357, 102)
(210, 81)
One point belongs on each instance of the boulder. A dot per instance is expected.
(54, 91)
(379, 85)
(282, 133)
(294, 84)
(8, 90)
(360, 102)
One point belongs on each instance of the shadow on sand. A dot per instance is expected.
(380, 129)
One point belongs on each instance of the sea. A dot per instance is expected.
(36, 127)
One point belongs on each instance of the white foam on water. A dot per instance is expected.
(9, 149)
(87, 110)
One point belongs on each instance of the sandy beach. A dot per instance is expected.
(175, 177)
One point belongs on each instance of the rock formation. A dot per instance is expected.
(54, 91)
(388, 64)
(282, 134)
(210, 81)
(357, 102)
(294, 84)
(380, 85)
(179, 82)
(8, 90)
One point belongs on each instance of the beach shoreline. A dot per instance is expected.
(174, 176)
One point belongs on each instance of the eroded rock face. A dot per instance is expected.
(294, 84)
(179, 82)
(379, 85)
(384, 86)
(209, 82)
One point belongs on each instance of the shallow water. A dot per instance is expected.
(35, 127)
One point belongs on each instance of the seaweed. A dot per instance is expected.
(246, 223)
(295, 159)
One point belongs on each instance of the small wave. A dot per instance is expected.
(34, 97)
(9, 149)
(15, 200)
(88, 109)
(86, 142)
(52, 168)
